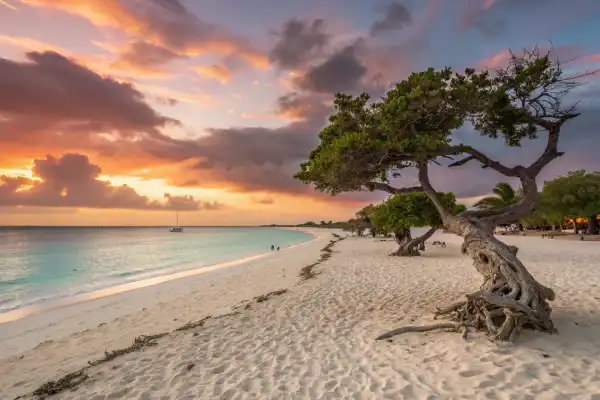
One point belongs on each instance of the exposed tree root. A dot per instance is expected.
(426, 328)
(509, 300)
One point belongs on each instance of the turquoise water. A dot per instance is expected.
(40, 264)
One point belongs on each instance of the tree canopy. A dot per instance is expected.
(367, 143)
(574, 195)
(408, 210)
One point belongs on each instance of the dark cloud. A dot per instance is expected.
(496, 18)
(296, 106)
(146, 56)
(240, 147)
(396, 17)
(49, 89)
(72, 181)
(298, 42)
(341, 72)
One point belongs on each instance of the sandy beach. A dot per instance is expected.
(315, 341)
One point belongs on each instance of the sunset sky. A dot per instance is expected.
(119, 112)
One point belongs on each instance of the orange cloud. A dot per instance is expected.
(217, 72)
(72, 181)
(169, 25)
(251, 116)
(6, 4)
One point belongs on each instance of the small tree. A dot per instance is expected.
(400, 212)
(366, 144)
(364, 215)
(576, 194)
(357, 226)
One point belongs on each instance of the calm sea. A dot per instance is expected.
(40, 264)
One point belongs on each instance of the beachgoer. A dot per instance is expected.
(272, 247)
(277, 248)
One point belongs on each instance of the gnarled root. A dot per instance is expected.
(509, 300)
(501, 317)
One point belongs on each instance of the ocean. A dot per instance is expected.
(40, 264)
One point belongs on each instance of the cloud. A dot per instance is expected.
(251, 116)
(496, 18)
(501, 58)
(72, 181)
(299, 41)
(146, 57)
(295, 106)
(168, 24)
(267, 200)
(166, 101)
(341, 72)
(7, 5)
(61, 94)
(220, 73)
(396, 17)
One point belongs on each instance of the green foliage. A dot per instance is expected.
(372, 141)
(531, 87)
(576, 194)
(505, 195)
(367, 141)
(458, 208)
(416, 210)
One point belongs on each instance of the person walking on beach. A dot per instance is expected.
(272, 247)
(277, 248)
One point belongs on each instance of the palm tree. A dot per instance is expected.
(505, 195)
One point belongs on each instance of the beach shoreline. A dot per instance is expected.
(316, 340)
(168, 275)
(19, 333)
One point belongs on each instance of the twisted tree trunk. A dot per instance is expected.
(409, 247)
(509, 299)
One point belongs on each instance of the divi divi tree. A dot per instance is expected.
(399, 212)
(365, 144)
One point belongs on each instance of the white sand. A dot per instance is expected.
(316, 341)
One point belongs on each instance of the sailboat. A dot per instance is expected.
(177, 228)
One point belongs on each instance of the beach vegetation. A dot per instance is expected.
(575, 196)
(400, 212)
(368, 143)
(504, 195)
(307, 272)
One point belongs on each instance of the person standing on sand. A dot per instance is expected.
(277, 248)
(272, 247)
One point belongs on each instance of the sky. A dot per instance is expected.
(123, 112)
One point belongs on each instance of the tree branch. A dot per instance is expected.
(431, 193)
(371, 186)
(512, 213)
(551, 151)
(485, 161)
